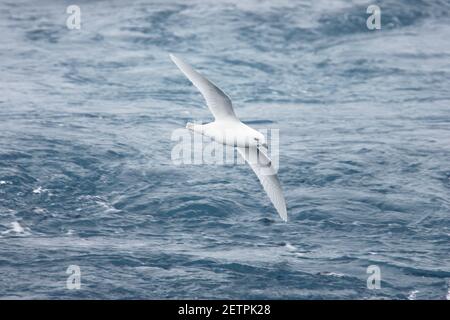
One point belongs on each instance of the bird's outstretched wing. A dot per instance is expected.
(267, 175)
(218, 102)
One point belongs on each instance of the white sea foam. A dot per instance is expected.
(412, 294)
(290, 247)
(448, 293)
(39, 190)
(15, 228)
(332, 274)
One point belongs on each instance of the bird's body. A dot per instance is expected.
(229, 130)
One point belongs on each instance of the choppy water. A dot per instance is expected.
(86, 178)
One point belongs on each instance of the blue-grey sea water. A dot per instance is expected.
(86, 176)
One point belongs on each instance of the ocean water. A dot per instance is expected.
(86, 176)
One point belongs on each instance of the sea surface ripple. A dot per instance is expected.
(86, 177)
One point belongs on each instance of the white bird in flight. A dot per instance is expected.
(229, 130)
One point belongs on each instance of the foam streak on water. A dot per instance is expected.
(86, 178)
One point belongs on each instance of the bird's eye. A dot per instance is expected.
(256, 139)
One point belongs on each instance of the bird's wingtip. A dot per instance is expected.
(174, 58)
(283, 215)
